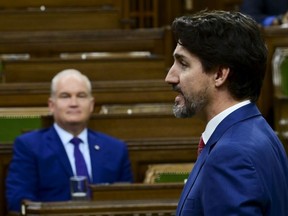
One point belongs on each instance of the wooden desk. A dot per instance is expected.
(101, 208)
(5, 158)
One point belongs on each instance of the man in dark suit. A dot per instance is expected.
(266, 12)
(218, 71)
(43, 160)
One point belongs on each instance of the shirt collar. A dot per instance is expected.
(66, 136)
(215, 121)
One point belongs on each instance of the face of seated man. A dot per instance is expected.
(71, 103)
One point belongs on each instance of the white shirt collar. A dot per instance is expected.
(215, 121)
(66, 136)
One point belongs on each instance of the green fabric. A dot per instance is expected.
(284, 76)
(171, 177)
(11, 127)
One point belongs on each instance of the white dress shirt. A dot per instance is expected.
(69, 147)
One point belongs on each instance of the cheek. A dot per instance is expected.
(91, 106)
(60, 112)
(187, 81)
(87, 109)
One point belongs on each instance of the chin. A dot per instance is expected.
(178, 111)
(182, 112)
(74, 122)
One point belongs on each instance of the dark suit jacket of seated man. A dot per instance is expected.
(266, 12)
(42, 163)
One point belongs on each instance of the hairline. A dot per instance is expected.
(66, 73)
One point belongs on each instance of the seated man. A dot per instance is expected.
(43, 160)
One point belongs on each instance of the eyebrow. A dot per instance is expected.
(179, 56)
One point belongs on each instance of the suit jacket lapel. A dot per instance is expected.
(96, 157)
(54, 142)
(245, 112)
(192, 177)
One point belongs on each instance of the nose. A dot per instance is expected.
(171, 76)
(73, 101)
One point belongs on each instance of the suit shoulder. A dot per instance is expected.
(105, 137)
(34, 134)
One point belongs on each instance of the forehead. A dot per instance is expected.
(181, 52)
(71, 84)
(180, 49)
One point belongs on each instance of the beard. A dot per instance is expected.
(184, 111)
(192, 104)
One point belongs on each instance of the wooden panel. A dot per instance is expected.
(142, 125)
(97, 69)
(196, 5)
(157, 41)
(144, 152)
(231, 5)
(59, 19)
(168, 10)
(142, 13)
(58, 3)
(136, 191)
(90, 40)
(134, 13)
(105, 92)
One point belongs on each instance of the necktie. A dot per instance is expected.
(81, 168)
(201, 145)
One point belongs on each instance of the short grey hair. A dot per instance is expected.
(66, 73)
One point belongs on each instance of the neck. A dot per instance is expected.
(74, 129)
(220, 105)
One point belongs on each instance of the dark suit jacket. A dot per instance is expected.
(242, 170)
(261, 9)
(40, 168)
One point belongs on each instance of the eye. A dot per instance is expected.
(64, 95)
(82, 95)
(183, 64)
(181, 61)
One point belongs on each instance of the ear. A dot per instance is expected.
(51, 105)
(221, 76)
(92, 104)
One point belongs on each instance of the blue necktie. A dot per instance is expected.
(81, 168)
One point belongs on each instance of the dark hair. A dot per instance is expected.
(226, 39)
